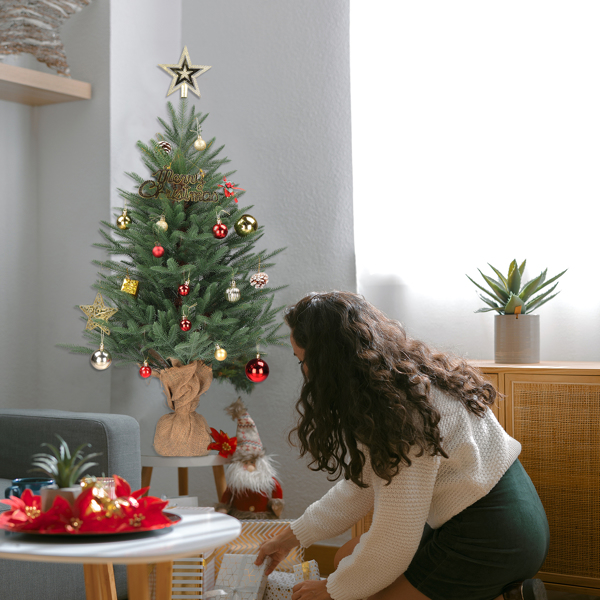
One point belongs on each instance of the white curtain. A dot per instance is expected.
(476, 139)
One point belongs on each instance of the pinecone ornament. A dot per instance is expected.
(165, 146)
(259, 280)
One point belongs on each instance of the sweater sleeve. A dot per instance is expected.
(386, 550)
(343, 505)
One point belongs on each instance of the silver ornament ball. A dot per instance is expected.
(101, 359)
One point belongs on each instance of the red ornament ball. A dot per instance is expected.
(145, 371)
(184, 289)
(257, 370)
(220, 231)
(158, 251)
(185, 324)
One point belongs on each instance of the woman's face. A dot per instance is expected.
(298, 353)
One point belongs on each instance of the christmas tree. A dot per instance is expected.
(183, 275)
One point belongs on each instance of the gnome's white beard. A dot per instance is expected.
(240, 480)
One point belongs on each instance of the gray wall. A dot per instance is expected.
(278, 98)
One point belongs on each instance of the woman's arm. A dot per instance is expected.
(386, 550)
(342, 506)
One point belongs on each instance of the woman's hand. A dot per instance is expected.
(311, 590)
(277, 548)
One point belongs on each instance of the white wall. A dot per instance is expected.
(478, 123)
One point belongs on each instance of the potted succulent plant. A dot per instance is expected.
(516, 330)
(65, 468)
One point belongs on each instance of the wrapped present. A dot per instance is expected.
(240, 578)
(192, 578)
(306, 571)
(280, 586)
(254, 533)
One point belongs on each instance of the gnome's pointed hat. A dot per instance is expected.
(249, 445)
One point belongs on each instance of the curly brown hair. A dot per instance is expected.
(369, 383)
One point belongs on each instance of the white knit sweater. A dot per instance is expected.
(432, 490)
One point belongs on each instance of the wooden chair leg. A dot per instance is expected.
(164, 580)
(99, 582)
(220, 482)
(146, 477)
(137, 582)
(182, 473)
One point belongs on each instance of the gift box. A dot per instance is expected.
(306, 571)
(280, 586)
(240, 578)
(192, 578)
(254, 533)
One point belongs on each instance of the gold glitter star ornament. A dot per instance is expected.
(98, 311)
(184, 75)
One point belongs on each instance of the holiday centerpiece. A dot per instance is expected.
(252, 492)
(188, 302)
(65, 468)
(517, 331)
(93, 511)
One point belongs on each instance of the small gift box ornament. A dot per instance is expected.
(130, 286)
(307, 571)
(240, 578)
(280, 586)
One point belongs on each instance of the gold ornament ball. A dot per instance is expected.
(232, 293)
(162, 224)
(124, 221)
(220, 353)
(200, 144)
(101, 359)
(246, 225)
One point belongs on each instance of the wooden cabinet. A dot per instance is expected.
(553, 409)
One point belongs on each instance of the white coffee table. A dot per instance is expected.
(192, 535)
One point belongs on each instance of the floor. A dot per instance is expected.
(552, 595)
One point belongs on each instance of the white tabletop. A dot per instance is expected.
(210, 460)
(192, 535)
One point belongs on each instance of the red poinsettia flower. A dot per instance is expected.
(228, 188)
(25, 512)
(223, 443)
(92, 512)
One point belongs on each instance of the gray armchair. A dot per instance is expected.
(22, 432)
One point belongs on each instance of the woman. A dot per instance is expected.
(455, 514)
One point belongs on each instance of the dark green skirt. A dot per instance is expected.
(501, 538)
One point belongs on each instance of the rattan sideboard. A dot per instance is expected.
(553, 409)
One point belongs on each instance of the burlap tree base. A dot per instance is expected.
(183, 432)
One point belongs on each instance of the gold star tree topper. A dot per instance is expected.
(98, 311)
(184, 75)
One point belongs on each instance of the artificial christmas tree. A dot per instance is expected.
(172, 280)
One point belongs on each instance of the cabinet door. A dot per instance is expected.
(557, 420)
(498, 407)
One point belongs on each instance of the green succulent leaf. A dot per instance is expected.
(483, 289)
(496, 287)
(552, 279)
(522, 268)
(544, 301)
(536, 302)
(514, 278)
(500, 310)
(512, 304)
(532, 286)
(500, 276)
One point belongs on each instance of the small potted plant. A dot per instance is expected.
(516, 330)
(65, 468)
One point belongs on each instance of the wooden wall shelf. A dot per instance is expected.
(34, 88)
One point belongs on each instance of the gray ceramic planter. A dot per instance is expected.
(517, 341)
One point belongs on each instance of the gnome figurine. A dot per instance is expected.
(252, 490)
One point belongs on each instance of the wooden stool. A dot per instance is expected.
(183, 463)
